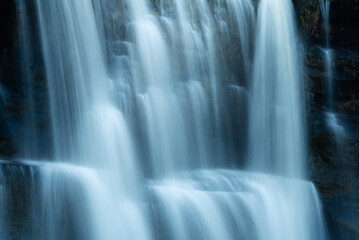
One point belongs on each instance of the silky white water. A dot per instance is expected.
(142, 99)
(88, 128)
(225, 204)
(63, 201)
(277, 131)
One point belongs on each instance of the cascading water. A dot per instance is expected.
(277, 136)
(169, 83)
(87, 127)
(156, 106)
(331, 117)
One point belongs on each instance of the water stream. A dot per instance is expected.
(328, 53)
(331, 117)
(277, 135)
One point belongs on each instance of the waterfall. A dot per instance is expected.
(142, 95)
(331, 118)
(177, 112)
(277, 133)
(63, 201)
(328, 53)
(88, 128)
(325, 9)
(277, 130)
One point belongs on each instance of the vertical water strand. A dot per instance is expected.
(79, 89)
(244, 16)
(175, 133)
(88, 128)
(200, 56)
(198, 105)
(30, 142)
(277, 131)
(64, 50)
(154, 88)
(235, 22)
(199, 43)
(234, 30)
(325, 10)
(171, 50)
(208, 30)
(276, 134)
(332, 120)
(328, 53)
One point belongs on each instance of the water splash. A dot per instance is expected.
(332, 122)
(277, 131)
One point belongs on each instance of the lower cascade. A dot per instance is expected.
(149, 105)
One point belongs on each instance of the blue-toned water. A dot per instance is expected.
(142, 99)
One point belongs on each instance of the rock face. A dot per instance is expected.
(344, 35)
(334, 145)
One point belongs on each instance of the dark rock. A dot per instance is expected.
(334, 160)
(309, 19)
(335, 172)
(344, 28)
